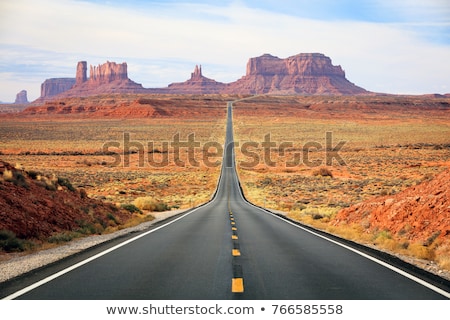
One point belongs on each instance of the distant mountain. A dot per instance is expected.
(197, 84)
(21, 97)
(305, 73)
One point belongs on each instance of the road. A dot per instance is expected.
(226, 249)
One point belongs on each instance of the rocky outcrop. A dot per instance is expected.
(55, 86)
(108, 72)
(418, 213)
(197, 84)
(21, 97)
(81, 75)
(305, 73)
(109, 77)
(36, 206)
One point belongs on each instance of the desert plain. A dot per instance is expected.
(370, 168)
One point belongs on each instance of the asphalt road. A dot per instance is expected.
(226, 249)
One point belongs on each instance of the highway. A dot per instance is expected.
(225, 249)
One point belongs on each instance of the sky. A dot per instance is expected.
(389, 46)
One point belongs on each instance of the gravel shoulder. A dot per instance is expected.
(22, 264)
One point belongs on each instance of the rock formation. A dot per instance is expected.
(81, 76)
(197, 84)
(109, 77)
(108, 72)
(37, 208)
(305, 73)
(418, 213)
(55, 86)
(21, 97)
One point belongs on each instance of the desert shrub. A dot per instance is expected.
(323, 172)
(112, 217)
(161, 206)
(33, 174)
(15, 177)
(9, 242)
(443, 255)
(87, 228)
(66, 183)
(150, 204)
(63, 237)
(444, 262)
(383, 234)
(83, 194)
(144, 203)
(317, 216)
(431, 239)
(8, 175)
(131, 208)
(420, 251)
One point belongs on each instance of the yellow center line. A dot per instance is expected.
(234, 237)
(236, 252)
(237, 285)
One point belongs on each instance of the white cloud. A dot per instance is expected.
(161, 44)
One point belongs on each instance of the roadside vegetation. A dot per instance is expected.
(385, 150)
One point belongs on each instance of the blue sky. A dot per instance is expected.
(393, 46)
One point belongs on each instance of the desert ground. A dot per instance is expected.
(328, 154)
(313, 158)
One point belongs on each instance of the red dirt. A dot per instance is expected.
(32, 211)
(419, 213)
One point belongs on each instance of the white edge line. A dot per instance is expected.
(94, 257)
(98, 255)
(384, 264)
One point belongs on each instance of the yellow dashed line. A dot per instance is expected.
(233, 228)
(234, 237)
(233, 223)
(237, 285)
(236, 252)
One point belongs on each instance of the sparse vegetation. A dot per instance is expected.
(385, 152)
(131, 207)
(150, 204)
(64, 237)
(323, 172)
(15, 177)
(66, 183)
(10, 243)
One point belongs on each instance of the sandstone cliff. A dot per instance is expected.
(305, 73)
(55, 86)
(81, 75)
(109, 77)
(21, 97)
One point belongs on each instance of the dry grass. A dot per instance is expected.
(385, 152)
(73, 147)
